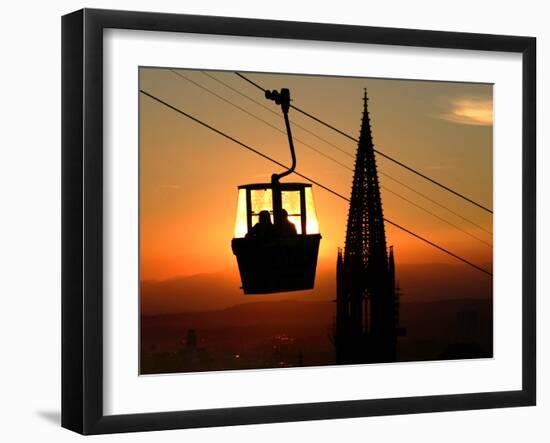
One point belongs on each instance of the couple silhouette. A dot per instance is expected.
(266, 230)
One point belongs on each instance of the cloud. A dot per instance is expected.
(470, 111)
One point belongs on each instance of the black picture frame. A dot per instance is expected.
(82, 219)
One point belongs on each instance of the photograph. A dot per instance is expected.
(290, 220)
(260, 223)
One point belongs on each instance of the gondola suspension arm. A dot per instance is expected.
(281, 98)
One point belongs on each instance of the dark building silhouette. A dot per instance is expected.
(191, 341)
(367, 300)
(191, 354)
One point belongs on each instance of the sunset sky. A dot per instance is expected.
(189, 174)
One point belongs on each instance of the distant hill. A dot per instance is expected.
(220, 290)
(419, 318)
(202, 292)
(214, 291)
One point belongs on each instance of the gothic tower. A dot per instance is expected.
(366, 302)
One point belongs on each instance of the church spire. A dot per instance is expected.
(366, 311)
(365, 132)
(365, 217)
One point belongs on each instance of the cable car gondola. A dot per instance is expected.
(276, 230)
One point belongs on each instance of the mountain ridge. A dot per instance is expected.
(218, 290)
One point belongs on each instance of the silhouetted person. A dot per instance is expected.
(263, 229)
(287, 227)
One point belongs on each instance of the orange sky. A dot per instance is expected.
(189, 175)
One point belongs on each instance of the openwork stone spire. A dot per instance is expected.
(365, 236)
(366, 319)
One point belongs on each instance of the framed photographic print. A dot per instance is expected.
(271, 221)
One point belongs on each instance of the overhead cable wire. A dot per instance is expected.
(261, 154)
(346, 152)
(403, 165)
(435, 202)
(328, 142)
(437, 216)
(204, 88)
(329, 157)
(349, 154)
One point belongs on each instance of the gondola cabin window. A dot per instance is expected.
(260, 200)
(297, 201)
(312, 223)
(291, 203)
